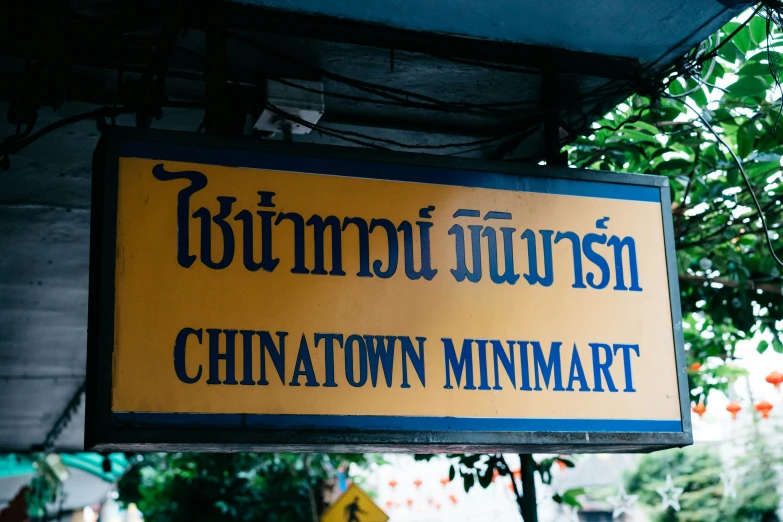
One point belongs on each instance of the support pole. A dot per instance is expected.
(551, 100)
(215, 120)
(527, 503)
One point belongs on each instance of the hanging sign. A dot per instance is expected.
(262, 294)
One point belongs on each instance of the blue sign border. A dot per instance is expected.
(111, 431)
(400, 423)
(388, 171)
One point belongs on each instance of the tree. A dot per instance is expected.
(726, 203)
(483, 469)
(182, 487)
(696, 470)
(727, 89)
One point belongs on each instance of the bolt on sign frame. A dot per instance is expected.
(263, 295)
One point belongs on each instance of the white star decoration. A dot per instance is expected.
(729, 480)
(670, 496)
(622, 502)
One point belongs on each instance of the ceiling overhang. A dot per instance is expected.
(548, 55)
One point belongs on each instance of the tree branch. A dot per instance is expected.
(739, 222)
(680, 210)
(732, 283)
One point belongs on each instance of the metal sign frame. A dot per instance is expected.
(107, 431)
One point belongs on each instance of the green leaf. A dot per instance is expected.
(684, 261)
(758, 30)
(768, 265)
(468, 481)
(569, 497)
(665, 114)
(715, 69)
(678, 165)
(762, 346)
(732, 177)
(652, 129)
(637, 102)
(748, 86)
(485, 479)
(469, 461)
(746, 139)
(727, 29)
(452, 472)
(676, 88)
(777, 345)
(729, 371)
(742, 40)
(730, 53)
(756, 66)
(759, 65)
(699, 96)
(638, 136)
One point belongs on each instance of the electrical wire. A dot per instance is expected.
(14, 146)
(385, 91)
(342, 133)
(683, 95)
(405, 97)
(710, 85)
(715, 59)
(633, 119)
(386, 96)
(494, 66)
(731, 35)
(361, 99)
(323, 130)
(745, 178)
(688, 64)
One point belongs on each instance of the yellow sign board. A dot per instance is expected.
(287, 291)
(354, 506)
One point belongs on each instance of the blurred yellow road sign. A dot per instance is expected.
(354, 506)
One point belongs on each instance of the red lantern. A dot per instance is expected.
(417, 483)
(495, 474)
(775, 378)
(763, 408)
(695, 367)
(393, 483)
(410, 502)
(444, 481)
(454, 500)
(733, 408)
(389, 504)
(699, 409)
